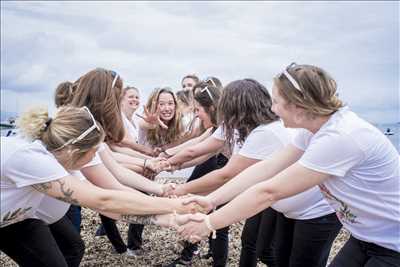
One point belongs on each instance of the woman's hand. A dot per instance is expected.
(152, 118)
(195, 229)
(167, 189)
(177, 191)
(203, 201)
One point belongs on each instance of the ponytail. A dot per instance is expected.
(33, 123)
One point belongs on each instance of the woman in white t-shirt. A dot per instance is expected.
(307, 220)
(353, 163)
(30, 171)
(129, 153)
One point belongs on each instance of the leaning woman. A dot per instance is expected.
(40, 165)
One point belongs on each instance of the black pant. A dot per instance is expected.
(134, 235)
(305, 243)
(219, 246)
(357, 253)
(74, 214)
(33, 243)
(257, 239)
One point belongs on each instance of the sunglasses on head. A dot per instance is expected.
(208, 92)
(291, 79)
(84, 134)
(115, 76)
(210, 80)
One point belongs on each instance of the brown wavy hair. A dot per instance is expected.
(318, 90)
(159, 136)
(209, 104)
(64, 94)
(94, 91)
(244, 105)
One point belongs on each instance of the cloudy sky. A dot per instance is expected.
(155, 44)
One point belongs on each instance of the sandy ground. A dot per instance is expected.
(160, 245)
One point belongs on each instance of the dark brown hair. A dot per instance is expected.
(209, 103)
(244, 105)
(94, 91)
(64, 94)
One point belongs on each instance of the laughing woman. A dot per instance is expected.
(169, 129)
(352, 162)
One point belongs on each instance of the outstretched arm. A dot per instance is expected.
(291, 181)
(216, 178)
(70, 189)
(256, 173)
(128, 177)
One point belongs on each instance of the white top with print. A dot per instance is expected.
(365, 187)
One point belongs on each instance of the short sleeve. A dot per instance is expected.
(333, 153)
(33, 166)
(301, 139)
(260, 144)
(95, 161)
(219, 134)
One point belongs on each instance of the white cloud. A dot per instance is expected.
(152, 44)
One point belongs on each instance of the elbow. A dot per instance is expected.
(191, 153)
(270, 194)
(104, 203)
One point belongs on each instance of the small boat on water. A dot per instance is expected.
(7, 129)
(389, 132)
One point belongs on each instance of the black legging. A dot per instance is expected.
(134, 235)
(33, 243)
(257, 239)
(218, 246)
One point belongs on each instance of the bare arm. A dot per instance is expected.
(132, 152)
(217, 178)
(259, 172)
(100, 176)
(128, 177)
(209, 145)
(70, 189)
(123, 158)
(289, 182)
(189, 143)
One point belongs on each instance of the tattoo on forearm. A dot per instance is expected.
(66, 192)
(139, 219)
(43, 188)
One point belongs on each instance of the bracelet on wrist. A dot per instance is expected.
(209, 226)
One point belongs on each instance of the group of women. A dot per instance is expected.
(297, 166)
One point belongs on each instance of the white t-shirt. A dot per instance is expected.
(365, 187)
(260, 144)
(130, 127)
(22, 165)
(220, 135)
(51, 209)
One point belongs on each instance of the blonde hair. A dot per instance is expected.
(68, 123)
(158, 136)
(318, 90)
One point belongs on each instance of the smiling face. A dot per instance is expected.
(131, 100)
(202, 115)
(166, 106)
